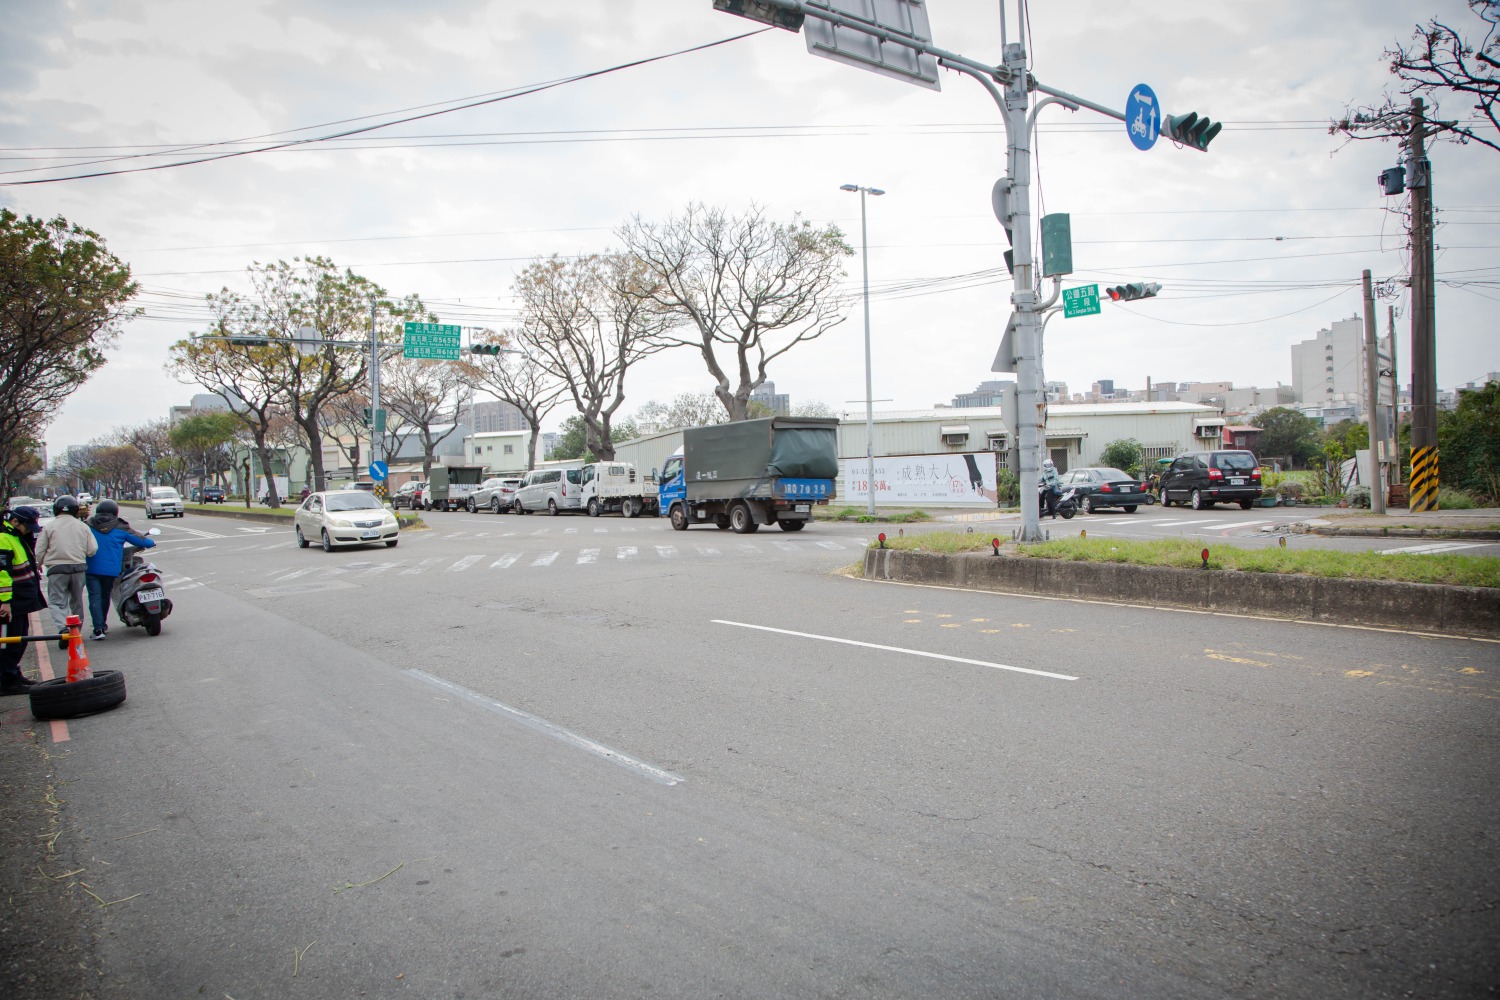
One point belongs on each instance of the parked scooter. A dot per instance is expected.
(1067, 502)
(140, 597)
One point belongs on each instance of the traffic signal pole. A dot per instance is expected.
(377, 430)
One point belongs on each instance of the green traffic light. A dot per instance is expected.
(1193, 130)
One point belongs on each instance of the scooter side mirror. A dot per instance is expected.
(153, 531)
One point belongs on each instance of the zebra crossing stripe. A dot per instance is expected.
(588, 556)
(464, 563)
(419, 567)
(829, 545)
(1432, 548)
(294, 574)
(667, 551)
(505, 561)
(545, 559)
(382, 567)
(785, 546)
(625, 552)
(708, 550)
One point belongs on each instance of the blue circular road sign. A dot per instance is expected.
(1142, 116)
(378, 471)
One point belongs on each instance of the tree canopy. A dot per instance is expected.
(1285, 433)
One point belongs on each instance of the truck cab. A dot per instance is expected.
(616, 486)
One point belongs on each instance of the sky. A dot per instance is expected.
(1258, 243)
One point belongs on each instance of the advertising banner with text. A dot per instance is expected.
(954, 480)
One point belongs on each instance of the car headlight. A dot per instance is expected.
(339, 522)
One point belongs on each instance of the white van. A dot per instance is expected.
(552, 490)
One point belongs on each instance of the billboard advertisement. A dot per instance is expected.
(950, 480)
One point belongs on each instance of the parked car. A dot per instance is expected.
(1104, 487)
(495, 494)
(552, 490)
(163, 501)
(87, 498)
(409, 495)
(344, 517)
(1204, 478)
(213, 494)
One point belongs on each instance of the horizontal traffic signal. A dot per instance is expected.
(249, 341)
(1193, 130)
(490, 349)
(1131, 292)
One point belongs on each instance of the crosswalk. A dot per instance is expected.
(1431, 549)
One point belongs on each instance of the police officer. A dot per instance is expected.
(20, 594)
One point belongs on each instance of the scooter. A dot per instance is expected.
(140, 597)
(1067, 502)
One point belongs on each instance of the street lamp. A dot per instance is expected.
(864, 239)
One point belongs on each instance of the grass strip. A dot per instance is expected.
(1442, 568)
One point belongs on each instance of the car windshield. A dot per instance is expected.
(1114, 474)
(1241, 461)
(353, 500)
(164, 494)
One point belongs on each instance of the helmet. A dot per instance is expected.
(1048, 464)
(65, 504)
(107, 507)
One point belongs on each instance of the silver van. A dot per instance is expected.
(552, 490)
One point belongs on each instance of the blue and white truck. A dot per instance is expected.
(747, 473)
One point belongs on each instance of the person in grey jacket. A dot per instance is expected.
(63, 551)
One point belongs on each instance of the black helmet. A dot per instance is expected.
(107, 506)
(65, 504)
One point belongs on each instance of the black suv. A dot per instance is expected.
(213, 494)
(1204, 478)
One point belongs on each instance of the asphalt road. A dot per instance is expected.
(572, 757)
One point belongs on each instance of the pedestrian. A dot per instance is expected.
(112, 533)
(62, 551)
(20, 593)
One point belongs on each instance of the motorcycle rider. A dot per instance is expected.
(61, 550)
(113, 534)
(1051, 484)
(20, 594)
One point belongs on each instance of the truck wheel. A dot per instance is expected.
(59, 699)
(679, 517)
(721, 521)
(792, 525)
(630, 507)
(593, 507)
(742, 520)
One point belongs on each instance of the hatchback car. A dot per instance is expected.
(495, 495)
(409, 495)
(163, 501)
(552, 490)
(1104, 487)
(344, 517)
(1204, 478)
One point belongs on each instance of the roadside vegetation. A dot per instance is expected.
(862, 515)
(1453, 570)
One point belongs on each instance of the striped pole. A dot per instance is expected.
(1424, 478)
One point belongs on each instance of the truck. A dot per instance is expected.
(450, 486)
(263, 494)
(747, 473)
(615, 486)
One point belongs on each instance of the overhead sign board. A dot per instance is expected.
(1080, 301)
(1142, 116)
(852, 42)
(431, 341)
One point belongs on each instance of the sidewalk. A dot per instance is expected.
(1400, 523)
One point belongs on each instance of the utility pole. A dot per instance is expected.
(1424, 449)
(377, 426)
(1372, 401)
(1393, 425)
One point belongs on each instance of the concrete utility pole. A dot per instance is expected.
(864, 254)
(1372, 401)
(1393, 424)
(377, 429)
(1424, 449)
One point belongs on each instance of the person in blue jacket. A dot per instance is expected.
(104, 566)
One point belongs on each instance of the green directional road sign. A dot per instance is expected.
(1080, 301)
(434, 341)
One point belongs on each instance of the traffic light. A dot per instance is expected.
(1131, 292)
(249, 340)
(490, 349)
(1192, 130)
(766, 13)
(367, 416)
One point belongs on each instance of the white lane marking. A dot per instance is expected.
(545, 559)
(625, 552)
(257, 529)
(570, 531)
(898, 649)
(552, 729)
(627, 527)
(1431, 548)
(1170, 524)
(276, 545)
(382, 567)
(601, 531)
(195, 548)
(465, 563)
(707, 550)
(829, 545)
(180, 588)
(785, 546)
(588, 556)
(196, 533)
(416, 568)
(295, 573)
(505, 561)
(1115, 520)
(1246, 524)
(667, 551)
(456, 534)
(748, 547)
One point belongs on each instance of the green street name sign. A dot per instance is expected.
(1080, 301)
(431, 341)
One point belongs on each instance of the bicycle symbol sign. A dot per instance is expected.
(1142, 116)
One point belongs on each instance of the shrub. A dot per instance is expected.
(1291, 488)
(1358, 496)
(1451, 499)
(1007, 488)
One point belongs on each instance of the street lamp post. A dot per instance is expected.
(864, 239)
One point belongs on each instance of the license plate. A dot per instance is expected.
(154, 594)
(1126, 489)
(369, 534)
(802, 508)
(1236, 482)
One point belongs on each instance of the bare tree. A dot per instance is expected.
(153, 441)
(338, 418)
(420, 392)
(1439, 62)
(749, 289)
(689, 409)
(516, 379)
(585, 322)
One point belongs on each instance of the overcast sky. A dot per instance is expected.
(1258, 244)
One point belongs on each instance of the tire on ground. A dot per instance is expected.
(58, 699)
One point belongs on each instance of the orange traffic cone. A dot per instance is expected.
(78, 657)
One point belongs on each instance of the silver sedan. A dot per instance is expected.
(345, 517)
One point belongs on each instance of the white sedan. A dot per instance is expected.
(345, 517)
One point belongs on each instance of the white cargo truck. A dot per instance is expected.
(616, 486)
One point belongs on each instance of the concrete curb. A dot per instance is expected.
(1468, 611)
(1475, 533)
